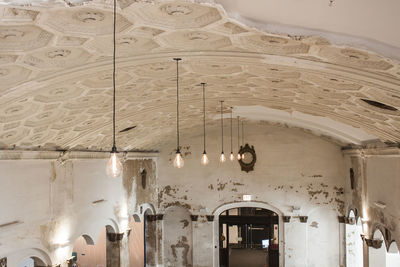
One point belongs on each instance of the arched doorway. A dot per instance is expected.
(248, 234)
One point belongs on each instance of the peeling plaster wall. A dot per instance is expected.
(377, 193)
(293, 168)
(53, 204)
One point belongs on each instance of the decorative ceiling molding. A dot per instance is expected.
(56, 78)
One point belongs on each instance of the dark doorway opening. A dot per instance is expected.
(248, 237)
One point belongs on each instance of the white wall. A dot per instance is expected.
(53, 204)
(293, 168)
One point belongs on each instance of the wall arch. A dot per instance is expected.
(253, 204)
(377, 257)
(381, 232)
(33, 253)
(88, 239)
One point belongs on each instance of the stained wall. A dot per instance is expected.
(293, 168)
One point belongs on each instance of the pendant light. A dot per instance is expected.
(204, 158)
(178, 161)
(231, 157)
(114, 166)
(238, 132)
(222, 158)
(242, 137)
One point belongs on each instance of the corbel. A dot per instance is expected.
(303, 219)
(374, 243)
(210, 218)
(194, 218)
(286, 219)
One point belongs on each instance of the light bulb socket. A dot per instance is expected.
(204, 152)
(178, 151)
(114, 149)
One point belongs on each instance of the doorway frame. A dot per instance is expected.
(244, 204)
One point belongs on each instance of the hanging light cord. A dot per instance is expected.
(231, 130)
(204, 117)
(113, 77)
(243, 133)
(238, 121)
(177, 102)
(222, 128)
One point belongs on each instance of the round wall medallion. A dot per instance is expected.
(248, 159)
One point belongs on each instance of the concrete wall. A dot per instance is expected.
(53, 201)
(293, 168)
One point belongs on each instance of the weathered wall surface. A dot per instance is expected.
(54, 203)
(377, 191)
(293, 168)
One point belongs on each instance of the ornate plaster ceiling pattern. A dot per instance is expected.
(55, 74)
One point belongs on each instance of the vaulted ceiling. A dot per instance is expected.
(56, 69)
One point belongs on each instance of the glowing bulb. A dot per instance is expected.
(114, 166)
(204, 159)
(222, 158)
(243, 156)
(238, 156)
(178, 162)
(232, 157)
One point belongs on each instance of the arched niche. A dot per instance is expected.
(89, 252)
(34, 255)
(88, 239)
(323, 237)
(177, 237)
(253, 204)
(32, 262)
(377, 256)
(354, 242)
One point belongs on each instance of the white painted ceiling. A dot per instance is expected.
(55, 75)
(364, 23)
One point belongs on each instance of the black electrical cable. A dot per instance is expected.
(113, 77)
(222, 129)
(177, 103)
(204, 118)
(231, 130)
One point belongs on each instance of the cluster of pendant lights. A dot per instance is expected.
(114, 166)
(178, 161)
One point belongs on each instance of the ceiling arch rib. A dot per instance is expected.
(57, 93)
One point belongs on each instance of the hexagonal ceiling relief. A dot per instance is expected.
(55, 76)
